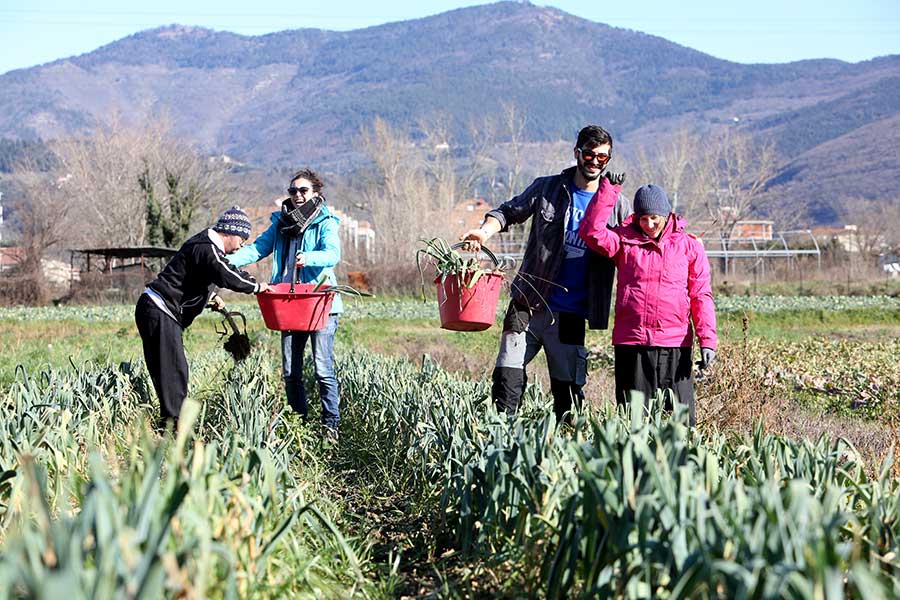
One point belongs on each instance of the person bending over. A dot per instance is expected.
(172, 301)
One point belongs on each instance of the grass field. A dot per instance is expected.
(429, 491)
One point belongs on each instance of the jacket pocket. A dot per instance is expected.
(675, 271)
(676, 313)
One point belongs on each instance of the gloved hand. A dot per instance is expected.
(615, 178)
(707, 356)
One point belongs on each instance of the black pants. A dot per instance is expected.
(164, 355)
(647, 369)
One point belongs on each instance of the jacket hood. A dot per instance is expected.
(200, 238)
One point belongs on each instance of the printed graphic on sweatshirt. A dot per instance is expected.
(574, 245)
(570, 295)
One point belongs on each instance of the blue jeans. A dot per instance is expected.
(293, 343)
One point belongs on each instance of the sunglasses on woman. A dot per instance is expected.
(297, 191)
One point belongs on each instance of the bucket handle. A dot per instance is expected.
(484, 249)
(294, 272)
(294, 280)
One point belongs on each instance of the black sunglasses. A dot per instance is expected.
(589, 156)
(294, 191)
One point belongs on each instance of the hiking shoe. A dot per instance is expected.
(330, 436)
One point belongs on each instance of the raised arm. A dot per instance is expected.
(593, 229)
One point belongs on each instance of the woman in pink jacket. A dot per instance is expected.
(663, 293)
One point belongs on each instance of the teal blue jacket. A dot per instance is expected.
(320, 246)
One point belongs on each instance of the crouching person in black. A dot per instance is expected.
(172, 301)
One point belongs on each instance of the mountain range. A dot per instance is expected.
(302, 96)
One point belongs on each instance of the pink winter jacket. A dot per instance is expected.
(662, 285)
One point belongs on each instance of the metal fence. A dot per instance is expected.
(753, 252)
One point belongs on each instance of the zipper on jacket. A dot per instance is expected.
(655, 319)
(567, 214)
(565, 225)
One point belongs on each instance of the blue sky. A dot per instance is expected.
(37, 31)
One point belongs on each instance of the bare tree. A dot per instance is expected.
(43, 215)
(479, 162)
(514, 121)
(106, 176)
(100, 176)
(877, 223)
(415, 186)
(732, 176)
(403, 196)
(672, 165)
(438, 162)
(506, 176)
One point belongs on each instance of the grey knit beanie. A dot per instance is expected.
(234, 221)
(651, 200)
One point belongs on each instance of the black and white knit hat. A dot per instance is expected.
(234, 221)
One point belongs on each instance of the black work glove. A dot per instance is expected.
(615, 178)
(707, 356)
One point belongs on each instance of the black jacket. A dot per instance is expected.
(192, 276)
(547, 201)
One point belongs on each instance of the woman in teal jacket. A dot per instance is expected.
(304, 236)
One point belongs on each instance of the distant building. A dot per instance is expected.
(54, 271)
(846, 237)
(10, 257)
(355, 234)
(468, 214)
(741, 230)
(755, 230)
(59, 272)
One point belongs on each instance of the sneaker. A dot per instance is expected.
(164, 424)
(330, 435)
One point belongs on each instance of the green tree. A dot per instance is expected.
(169, 220)
(153, 208)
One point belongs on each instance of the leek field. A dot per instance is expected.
(787, 488)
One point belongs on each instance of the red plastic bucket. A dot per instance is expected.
(304, 310)
(472, 308)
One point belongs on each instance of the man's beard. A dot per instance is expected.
(589, 176)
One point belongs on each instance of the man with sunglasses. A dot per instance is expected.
(561, 282)
(303, 235)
